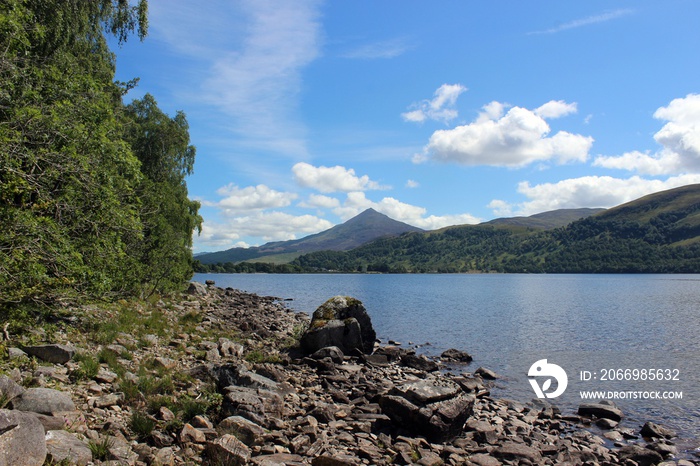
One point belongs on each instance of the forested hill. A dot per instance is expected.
(93, 199)
(658, 233)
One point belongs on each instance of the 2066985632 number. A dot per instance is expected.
(639, 374)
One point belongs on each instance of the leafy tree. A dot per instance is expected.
(162, 146)
(67, 176)
(92, 193)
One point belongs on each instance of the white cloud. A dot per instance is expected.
(258, 197)
(518, 138)
(501, 208)
(588, 191)
(412, 184)
(595, 19)
(390, 48)
(555, 109)
(320, 201)
(440, 108)
(332, 179)
(679, 139)
(269, 226)
(357, 202)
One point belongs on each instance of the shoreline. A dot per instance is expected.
(270, 404)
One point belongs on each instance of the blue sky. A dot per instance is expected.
(306, 113)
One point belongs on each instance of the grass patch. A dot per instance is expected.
(141, 425)
(259, 357)
(89, 367)
(100, 448)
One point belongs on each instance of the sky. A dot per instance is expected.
(306, 113)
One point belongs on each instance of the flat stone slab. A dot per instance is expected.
(427, 391)
(56, 354)
(600, 410)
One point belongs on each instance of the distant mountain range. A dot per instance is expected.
(657, 233)
(359, 230)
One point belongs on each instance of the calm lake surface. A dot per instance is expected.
(583, 323)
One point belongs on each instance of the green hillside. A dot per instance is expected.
(657, 233)
(547, 220)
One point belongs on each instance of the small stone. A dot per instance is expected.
(455, 355)
(189, 434)
(166, 414)
(487, 374)
(165, 363)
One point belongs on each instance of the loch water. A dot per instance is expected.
(608, 332)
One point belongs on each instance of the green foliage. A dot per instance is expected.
(89, 366)
(87, 213)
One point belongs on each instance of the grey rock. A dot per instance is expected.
(600, 410)
(257, 405)
(343, 322)
(111, 399)
(651, 429)
(419, 362)
(277, 459)
(56, 354)
(640, 455)
(438, 411)
(197, 289)
(64, 446)
(235, 374)
(455, 355)
(517, 451)
(487, 374)
(21, 439)
(335, 460)
(16, 353)
(9, 389)
(246, 431)
(228, 450)
(43, 400)
(332, 352)
(428, 391)
(228, 348)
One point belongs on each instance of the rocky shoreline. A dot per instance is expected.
(218, 376)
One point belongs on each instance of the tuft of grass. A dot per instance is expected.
(141, 425)
(89, 366)
(100, 449)
(257, 357)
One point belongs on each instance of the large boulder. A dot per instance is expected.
(43, 400)
(21, 439)
(57, 354)
(343, 322)
(437, 409)
(62, 446)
